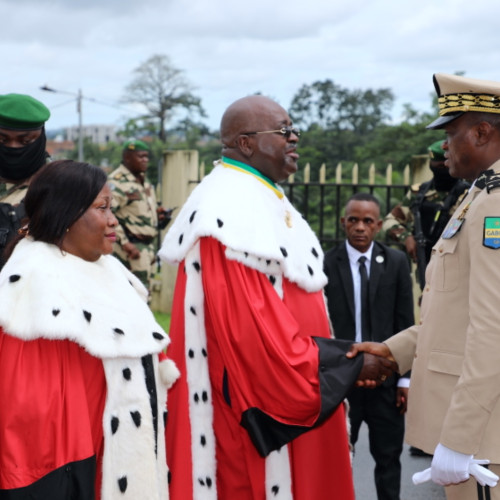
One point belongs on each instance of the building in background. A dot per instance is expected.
(98, 134)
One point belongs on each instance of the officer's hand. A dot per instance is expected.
(375, 370)
(411, 247)
(132, 251)
(402, 399)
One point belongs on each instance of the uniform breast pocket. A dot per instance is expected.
(446, 265)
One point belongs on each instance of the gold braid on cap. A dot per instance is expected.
(451, 103)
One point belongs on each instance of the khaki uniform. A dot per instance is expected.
(454, 353)
(134, 205)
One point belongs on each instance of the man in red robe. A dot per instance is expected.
(257, 412)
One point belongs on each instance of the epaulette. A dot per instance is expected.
(484, 178)
(493, 182)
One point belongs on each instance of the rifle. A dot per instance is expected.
(419, 236)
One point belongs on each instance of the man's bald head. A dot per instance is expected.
(247, 114)
(251, 133)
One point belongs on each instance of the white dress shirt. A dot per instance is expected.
(354, 256)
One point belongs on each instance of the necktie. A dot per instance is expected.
(365, 310)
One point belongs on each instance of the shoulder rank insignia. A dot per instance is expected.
(493, 182)
(491, 234)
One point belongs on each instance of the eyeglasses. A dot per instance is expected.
(284, 131)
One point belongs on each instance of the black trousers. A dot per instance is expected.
(377, 407)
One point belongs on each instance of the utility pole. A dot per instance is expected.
(79, 97)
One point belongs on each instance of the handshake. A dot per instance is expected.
(378, 363)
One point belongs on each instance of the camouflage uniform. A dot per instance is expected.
(400, 222)
(134, 205)
(13, 193)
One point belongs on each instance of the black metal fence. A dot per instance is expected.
(322, 203)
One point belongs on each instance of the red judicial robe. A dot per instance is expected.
(265, 418)
(83, 392)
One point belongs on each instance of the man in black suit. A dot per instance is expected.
(369, 295)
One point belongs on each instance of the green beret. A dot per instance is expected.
(135, 145)
(436, 151)
(22, 112)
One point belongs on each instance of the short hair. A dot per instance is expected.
(58, 195)
(475, 117)
(364, 197)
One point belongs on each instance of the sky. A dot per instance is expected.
(228, 49)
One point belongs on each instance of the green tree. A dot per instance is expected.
(332, 107)
(161, 89)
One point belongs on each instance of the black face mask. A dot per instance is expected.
(17, 164)
(443, 181)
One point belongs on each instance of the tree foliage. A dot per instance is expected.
(332, 107)
(161, 89)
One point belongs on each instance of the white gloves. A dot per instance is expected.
(451, 467)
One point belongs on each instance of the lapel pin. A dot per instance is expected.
(379, 259)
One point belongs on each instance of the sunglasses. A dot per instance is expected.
(284, 131)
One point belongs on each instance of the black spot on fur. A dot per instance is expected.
(191, 353)
(246, 254)
(201, 481)
(203, 440)
(115, 422)
(275, 489)
(268, 262)
(284, 252)
(87, 315)
(196, 397)
(14, 277)
(136, 417)
(55, 312)
(127, 373)
(165, 416)
(314, 252)
(158, 336)
(118, 331)
(272, 279)
(311, 272)
(193, 310)
(220, 223)
(197, 266)
(169, 477)
(122, 484)
(204, 396)
(209, 482)
(191, 217)
(181, 237)
(204, 352)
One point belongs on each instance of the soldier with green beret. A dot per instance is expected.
(135, 207)
(418, 221)
(22, 153)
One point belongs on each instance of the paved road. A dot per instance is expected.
(364, 484)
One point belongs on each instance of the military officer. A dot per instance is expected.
(22, 153)
(418, 221)
(135, 207)
(454, 398)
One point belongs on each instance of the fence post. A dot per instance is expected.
(179, 176)
(371, 174)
